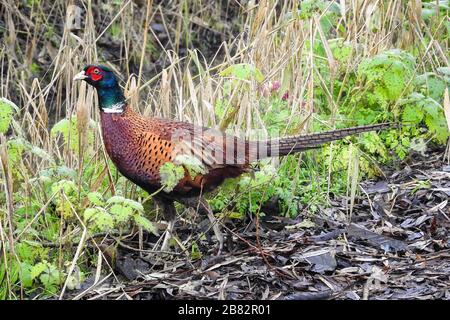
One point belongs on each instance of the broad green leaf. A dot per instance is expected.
(121, 213)
(69, 187)
(170, 175)
(116, 199)
(89, 213)
(99, 218)
(25, 275)
(51, 276)
(16, 147)
(432, 108)
(145, 224)
(96, 198)
(68, 129)
(412, 114)
(134, 205)
(104, 221)
(243, 71)
(37, 269)
(439, 127)
(6, 114)
(192, 164)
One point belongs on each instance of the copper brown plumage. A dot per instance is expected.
(139, 146)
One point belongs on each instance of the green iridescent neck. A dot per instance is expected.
(111, 98)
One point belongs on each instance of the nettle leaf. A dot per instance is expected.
(69, 130)
(16, 147)
(99, 218)
(89, 213)
(24, 250)
(134, 205)
(116, 199)
(170, 175)
(341, 50)
(69, 187)
(191, 163)
(25, 275)
(145, 224)
(41, 153)
(421, 108)
(433, 108)
(37, 269)
(96, 198)
(413, 114)
(73, 283)
(439, 127)
(373, 143)
(51, 276)
(126, 202)
(120, 213)
(432, 85)
(388, 73)
(243, 71)
(7, 109)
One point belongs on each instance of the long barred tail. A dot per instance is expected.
(289, 145)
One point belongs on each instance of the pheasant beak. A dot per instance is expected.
(80, 76)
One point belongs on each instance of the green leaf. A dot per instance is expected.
(432, 108)
(120, 213)
(192, 164)
(96, 198)
(69, 187)
(243, 71)
(134, 205)
(116, 199)
(25, 275)
(145, 224)
(419, 145)
(37, 269)
(6, 112)
(412, 114)
(170, 175)
(99, 218)
(432, 85)
(195, 252)
(387, 75)
(104, 221)
(341, 50)
(439, 127)
(68, 129)
(89, 213)
(16, 147)
(51, 276)
(41, 153)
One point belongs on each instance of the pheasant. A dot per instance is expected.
(140, 146)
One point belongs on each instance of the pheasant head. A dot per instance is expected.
(110, 95)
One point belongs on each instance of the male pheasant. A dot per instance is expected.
(139, 146)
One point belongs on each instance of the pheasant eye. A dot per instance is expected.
(95, 74)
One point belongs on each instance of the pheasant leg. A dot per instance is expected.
(216, 229)
(168, 209)
(168, 235)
